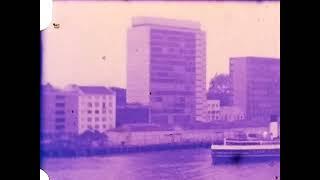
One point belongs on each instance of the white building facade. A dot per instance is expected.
(231, 113)
(213, 110)
(96, 108)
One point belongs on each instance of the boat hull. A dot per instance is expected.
(244, 156)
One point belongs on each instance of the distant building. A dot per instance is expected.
(121, 96)
(132, 114)
(96, 108)
(213, 110)
(231, 113)
(166, 69)
(58, 112)
(256, 86)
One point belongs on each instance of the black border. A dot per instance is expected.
(298, 91)
(20, 89)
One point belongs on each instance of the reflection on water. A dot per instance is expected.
(192, 164)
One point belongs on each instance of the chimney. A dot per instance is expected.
(273, 126)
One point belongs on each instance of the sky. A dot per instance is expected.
(89, 31)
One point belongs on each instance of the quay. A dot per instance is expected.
(143, 139)
(105, 151)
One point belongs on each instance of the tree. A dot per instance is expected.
(221, 89)
(87, 137)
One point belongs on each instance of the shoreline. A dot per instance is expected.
(115, 150)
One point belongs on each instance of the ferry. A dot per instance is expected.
(245, 150)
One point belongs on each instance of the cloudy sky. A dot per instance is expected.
(92, 30)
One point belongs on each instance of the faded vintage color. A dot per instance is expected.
(161, 90)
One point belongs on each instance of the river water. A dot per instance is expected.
(191, 164)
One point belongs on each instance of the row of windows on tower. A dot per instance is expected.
(214, 105)
(97, 104)
(98, 126)
(98, 97)
(97, 119)
(98, 112)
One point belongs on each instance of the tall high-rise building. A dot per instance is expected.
(256, 86)
(166, 69)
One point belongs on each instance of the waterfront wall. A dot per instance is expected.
(141, 138)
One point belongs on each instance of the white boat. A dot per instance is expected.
(236, 150)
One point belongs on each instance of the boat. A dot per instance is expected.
(245, 150)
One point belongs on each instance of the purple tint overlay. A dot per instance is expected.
(164, 107)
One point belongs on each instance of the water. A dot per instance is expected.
(194, 164)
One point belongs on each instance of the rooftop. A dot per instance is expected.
(147, 21)
(95, 90)
(254, 58)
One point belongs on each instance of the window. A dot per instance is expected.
(103, 104)
(60, 119)
(96, 119)
(104, 119)
(96, 104)
(96, 126)
(89, 104)
(96, 97)
(60, 97)
(89, 119)
(110, 111)
(103, 111)
(103, 97)
(89, 111)
(89, 97)
(60, 112)
(59, 127)
(110, 104)
(59, 104)
(104, 126)
(96, 111)
(89, 127)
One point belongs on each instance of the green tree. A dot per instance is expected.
(221, 89)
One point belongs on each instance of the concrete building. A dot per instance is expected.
(132, 114)
(166, 69)
(121, 96)
(58, 112)
(256, 86)
(96, 108)
(71, 111)
(213, 110)
(231, 113)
